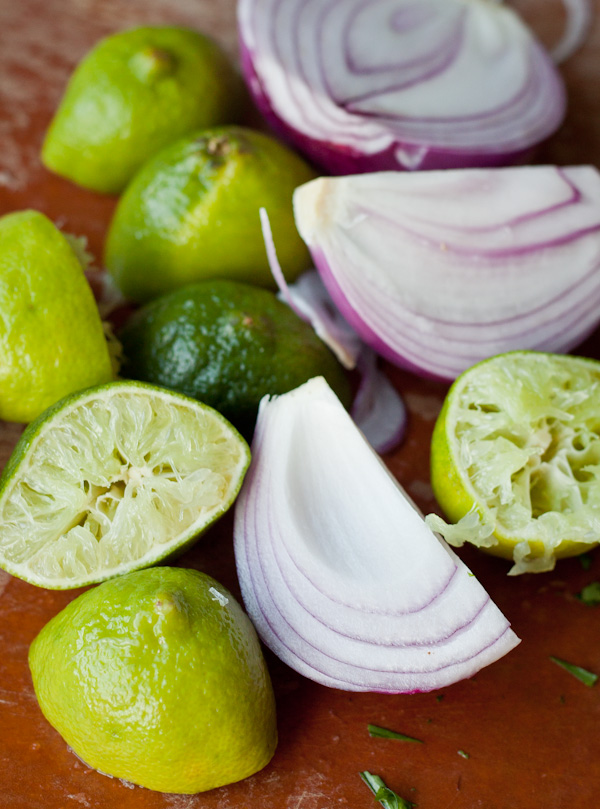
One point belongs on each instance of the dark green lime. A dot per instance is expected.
(227, 344)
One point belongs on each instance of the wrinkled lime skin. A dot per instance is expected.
(133, 94)
(157, 677)
(192, 213)
(227, 344)
(51, 337)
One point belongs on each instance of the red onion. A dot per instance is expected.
(339, 573)
(371, 85)
(438, 270)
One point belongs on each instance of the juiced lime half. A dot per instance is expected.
(113, 479)
(515, 458)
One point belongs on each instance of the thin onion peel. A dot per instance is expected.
(378, 409)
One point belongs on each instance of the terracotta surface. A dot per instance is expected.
(530, 729)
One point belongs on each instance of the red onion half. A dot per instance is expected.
(372, 85)
(438, 270)
(340, 574)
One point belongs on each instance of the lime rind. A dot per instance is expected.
(523, 438)
(114, 479)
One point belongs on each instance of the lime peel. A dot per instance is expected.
(114, 479)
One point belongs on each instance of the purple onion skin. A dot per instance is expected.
(337, 159)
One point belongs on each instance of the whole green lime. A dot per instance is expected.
(157, 677)
(227, 344)
(134, 93)
(192, 213)
(51, 337)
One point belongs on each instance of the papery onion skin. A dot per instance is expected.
(432, 142)
(339, 574)
(439, 270)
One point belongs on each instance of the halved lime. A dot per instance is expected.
(113, 479)
(515, 458)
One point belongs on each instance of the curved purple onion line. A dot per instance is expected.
(265, 612)
(522, 219)
(264, 481)
(441, 59)
(384, 314)
(336, 290)
(492, 253)
(379, 297)
(344, 158)
(444, 585)
(520, 96)
(378, 343)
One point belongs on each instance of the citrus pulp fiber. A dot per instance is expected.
(112, 479)
(157, 677)
(134, 93)
(192, 213)
(51, 337)
(227, 344)
(515, 458)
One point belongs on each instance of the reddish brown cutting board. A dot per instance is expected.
(531, 730)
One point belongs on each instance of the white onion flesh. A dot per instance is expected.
(439, 270)
(339, 573)
(369, 85)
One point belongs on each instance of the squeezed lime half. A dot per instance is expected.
(515, 458)
(113, 479)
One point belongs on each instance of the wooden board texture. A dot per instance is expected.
(531, 730)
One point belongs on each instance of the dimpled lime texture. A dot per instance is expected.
(192, 213)
(227, 344)
(157, 677)
(134, 93)
(518, 441)
(51, 336)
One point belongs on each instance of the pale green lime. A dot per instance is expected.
(134, 93)
(52, 340)
(192, 214)
(157, 677)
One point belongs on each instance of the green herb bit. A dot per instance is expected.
(439, 698)
(585, 561)
(386, 796)
(463, 754)
(590, 595)
(586, 677)
(384, 733)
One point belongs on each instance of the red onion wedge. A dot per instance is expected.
(373, 85)
(340, 574)
(439, 270)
